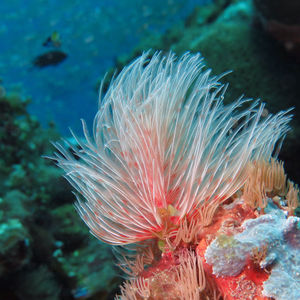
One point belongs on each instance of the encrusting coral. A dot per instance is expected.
(171, 169)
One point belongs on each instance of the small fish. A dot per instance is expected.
(53, 57)
(53, 40)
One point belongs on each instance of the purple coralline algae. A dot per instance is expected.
(228, 255)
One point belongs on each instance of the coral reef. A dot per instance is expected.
(42, 240)
(46, 253)
(186, 187)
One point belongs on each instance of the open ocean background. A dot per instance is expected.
(92, 33)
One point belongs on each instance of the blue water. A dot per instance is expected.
(93, 33)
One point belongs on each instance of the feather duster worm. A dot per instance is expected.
(163, 146)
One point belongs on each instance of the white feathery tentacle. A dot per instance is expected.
(162, 136)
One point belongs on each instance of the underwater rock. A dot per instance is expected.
(283, 11)
(15, 250)
(281, 19)
(53, 57)
(91, 269)
(38, 283)
(40, 235)
(70, 230)
(15, 204)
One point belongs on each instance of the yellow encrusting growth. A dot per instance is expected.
(268, 180)
(292, 197)
(274, 179)
(265, 179)
(254, 193)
